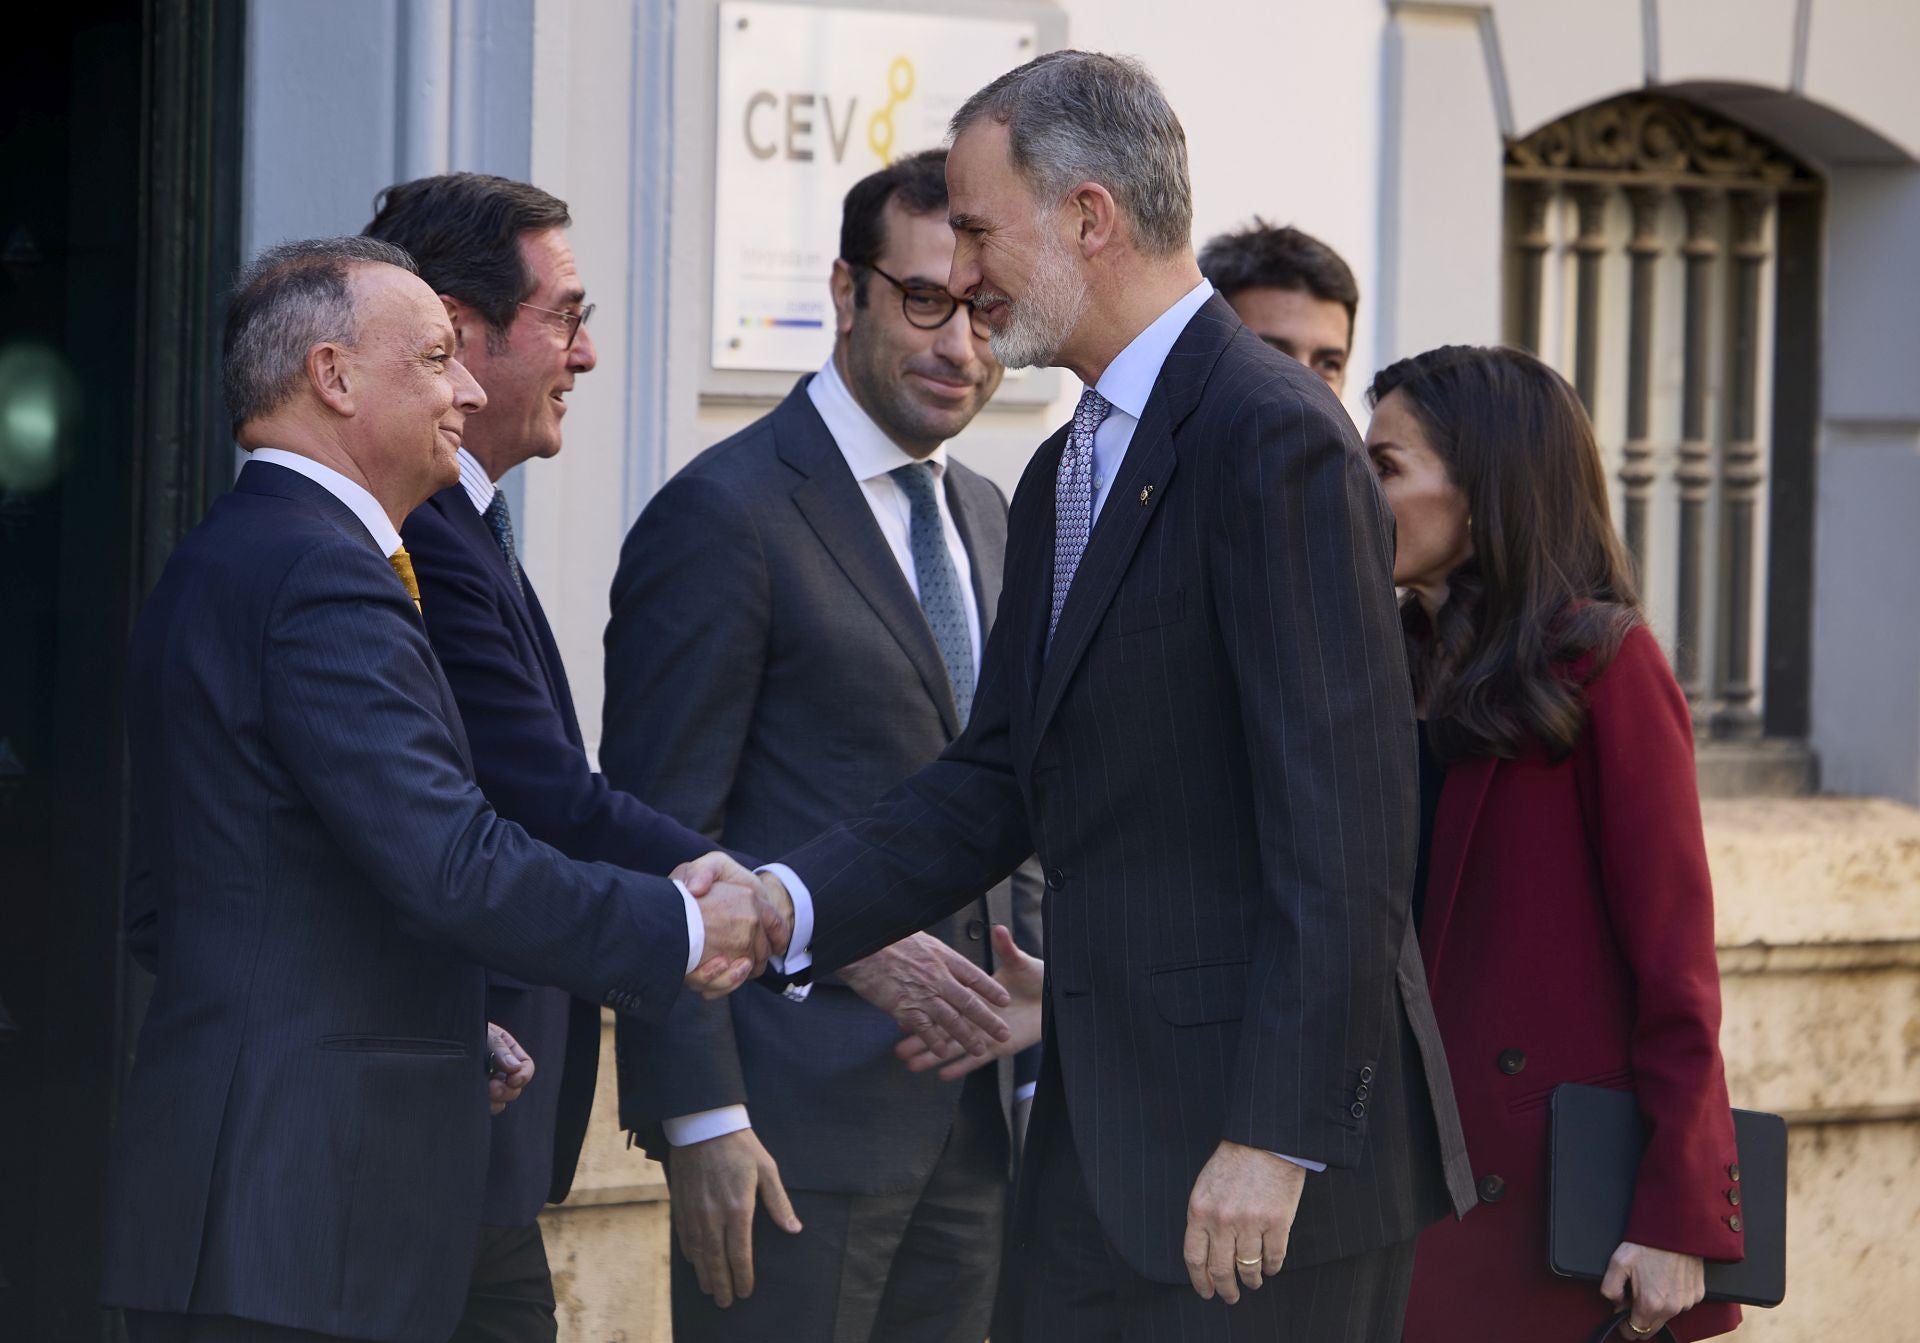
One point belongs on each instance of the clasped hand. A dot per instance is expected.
(748, 918)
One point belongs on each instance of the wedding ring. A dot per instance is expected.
(1633, 1329)
(1255, 1263)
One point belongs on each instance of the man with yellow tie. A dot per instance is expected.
(316, 879)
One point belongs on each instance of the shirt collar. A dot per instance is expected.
(475, 481)
(869, 452)
(349, 492)
(1129, 379)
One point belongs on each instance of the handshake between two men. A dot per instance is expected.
(946, 1005)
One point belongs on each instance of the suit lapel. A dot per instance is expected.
(1130, 504)
(1461, 798)
(834, 505)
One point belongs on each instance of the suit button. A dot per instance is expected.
(1512, 1062)
(1055, 879)
(1492, 1188)
(1733, 1196)
(976, 929)
(1362, 1091)
(1733, 1173)
(1733, 1222)
(1366, 1073)
(1357, 1110)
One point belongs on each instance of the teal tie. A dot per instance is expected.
(940, 595)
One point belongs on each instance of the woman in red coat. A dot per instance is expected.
(1563, 902)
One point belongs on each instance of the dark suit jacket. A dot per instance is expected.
(769, 669)
(1216, 767)
(1569, 922)
(498, 653)
(317, 883)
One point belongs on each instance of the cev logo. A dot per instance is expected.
(899, 89)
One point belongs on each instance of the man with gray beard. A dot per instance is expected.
(1195, 709)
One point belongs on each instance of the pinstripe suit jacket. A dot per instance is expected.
(317, 884)
(1215, 764)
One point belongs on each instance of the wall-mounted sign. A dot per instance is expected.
(811, 100)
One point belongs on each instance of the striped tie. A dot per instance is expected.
(500, 522)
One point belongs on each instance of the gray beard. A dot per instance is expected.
(1040, 322)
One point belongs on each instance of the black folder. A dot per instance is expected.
(1597, 1137)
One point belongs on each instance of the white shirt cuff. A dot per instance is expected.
(696, 928)
(800, 947)
(1024, 1092)
(686, 1130)
(1298, 1161)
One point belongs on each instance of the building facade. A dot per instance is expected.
(1701, 210)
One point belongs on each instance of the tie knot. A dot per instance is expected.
(1088, 414)
(916, 478)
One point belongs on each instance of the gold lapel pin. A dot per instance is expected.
(1146, 493)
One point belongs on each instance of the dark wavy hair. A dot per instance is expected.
(464, 230)
(1548, 595)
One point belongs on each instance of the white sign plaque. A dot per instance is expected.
(811, 100)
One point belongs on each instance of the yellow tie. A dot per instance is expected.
(403, 565)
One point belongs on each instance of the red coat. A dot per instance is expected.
(1568, 937)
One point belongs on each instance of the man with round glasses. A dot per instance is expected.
(797, 625)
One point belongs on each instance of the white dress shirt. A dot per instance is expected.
(475, 481)
(871, 456)
(374, 518)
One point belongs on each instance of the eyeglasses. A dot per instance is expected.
(574, 319)
(930, 307)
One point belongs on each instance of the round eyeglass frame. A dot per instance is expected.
(909, 292)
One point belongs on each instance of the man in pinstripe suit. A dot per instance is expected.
(1194, 709)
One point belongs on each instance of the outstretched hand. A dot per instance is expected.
(1024, 979)
(748, 918)
(932, 992)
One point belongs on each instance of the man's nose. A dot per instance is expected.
(581, 355)
(467, 391)
(953, 342)
(963, 277)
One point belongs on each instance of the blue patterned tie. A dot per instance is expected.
(939, 583)
(1073, 499)
(500, 523)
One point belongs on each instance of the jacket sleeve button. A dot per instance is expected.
(975, 930)
(1733, 1222)
(1357, 1109)
(1733, 1196)
(1733, 1172)
(1366, 1073)
(1362, 1091)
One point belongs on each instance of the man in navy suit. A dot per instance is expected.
(496, 253)
(317, 880)
(1194, 707)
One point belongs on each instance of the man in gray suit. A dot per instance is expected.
(759, 691)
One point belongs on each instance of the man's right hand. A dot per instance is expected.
(714, 1186)
(744, 925)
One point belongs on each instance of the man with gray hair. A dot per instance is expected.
(316, 881)
(1195, 709)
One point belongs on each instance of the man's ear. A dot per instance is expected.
(1095, 216)
(329, 372)
(468, 326)
(844, 286)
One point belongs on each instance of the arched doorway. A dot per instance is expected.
(1664, 259)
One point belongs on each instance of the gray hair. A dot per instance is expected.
(292, 298)
(1078, 116)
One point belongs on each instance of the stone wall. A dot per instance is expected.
(1819, 931)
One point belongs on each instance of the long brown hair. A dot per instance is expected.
(1548, 589)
